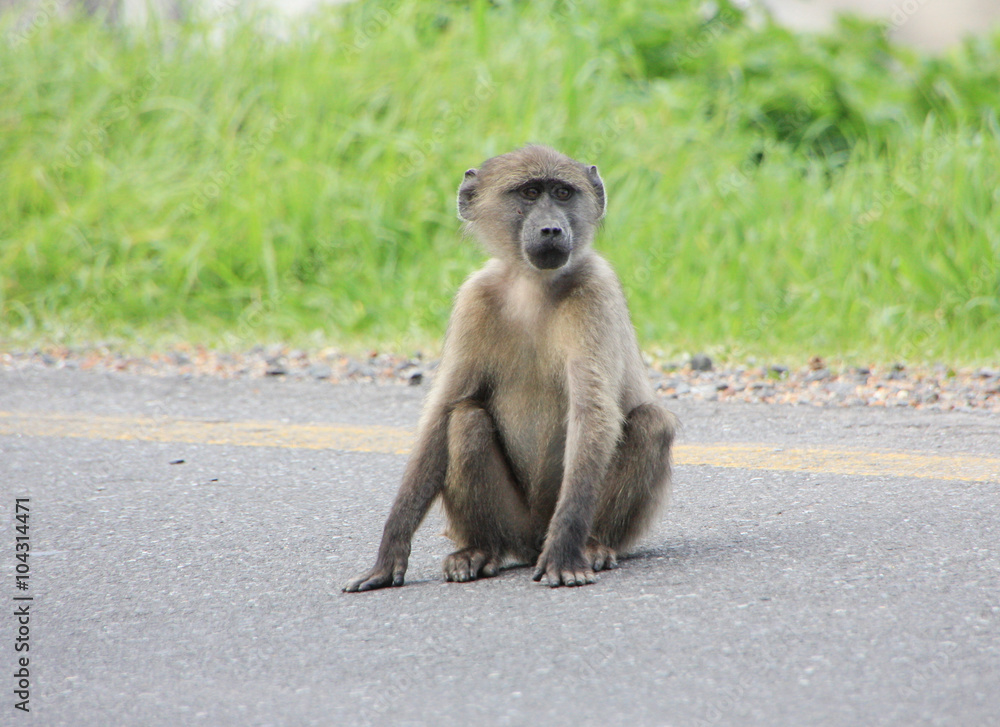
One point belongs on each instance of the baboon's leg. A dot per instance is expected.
(487, 513)
(638, 479)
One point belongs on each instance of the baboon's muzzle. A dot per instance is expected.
(550, 247)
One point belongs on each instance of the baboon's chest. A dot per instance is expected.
(530, 405)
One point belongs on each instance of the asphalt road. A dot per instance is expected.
(793, 589)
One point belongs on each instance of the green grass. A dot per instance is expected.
(769, 194)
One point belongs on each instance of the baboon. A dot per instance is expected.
(541, 432)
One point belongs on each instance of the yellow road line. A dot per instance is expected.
(393, 440)
(968, 467)
(388, 440)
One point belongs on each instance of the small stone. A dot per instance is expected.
(355, 368)
(701, 362)
(276, 370)
(414, 378)
(897, 372)
(706, 392)
(320, 371)
(818, 375)
(841, 388)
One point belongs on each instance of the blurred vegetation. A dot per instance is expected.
(243, 178)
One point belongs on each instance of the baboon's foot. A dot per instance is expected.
(569, 567)
(600, 557)
(468, 564)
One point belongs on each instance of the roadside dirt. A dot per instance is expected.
(818, 384)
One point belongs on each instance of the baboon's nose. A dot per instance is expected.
(551, 232)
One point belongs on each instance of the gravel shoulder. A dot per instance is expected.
(935, 388)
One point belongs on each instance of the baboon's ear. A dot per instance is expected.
(466, 194)
(598, 184)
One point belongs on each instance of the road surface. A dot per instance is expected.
(189, 538)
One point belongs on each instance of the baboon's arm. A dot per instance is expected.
(423, 478)
(593, 430)
(422, 482)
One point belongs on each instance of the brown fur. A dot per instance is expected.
(541, 432)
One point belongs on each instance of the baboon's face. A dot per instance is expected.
(533, 203)
(548, 216)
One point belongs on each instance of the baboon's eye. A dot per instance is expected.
(563, 193)
(531, 192)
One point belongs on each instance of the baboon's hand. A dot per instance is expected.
(385, 573)
(563, 567)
